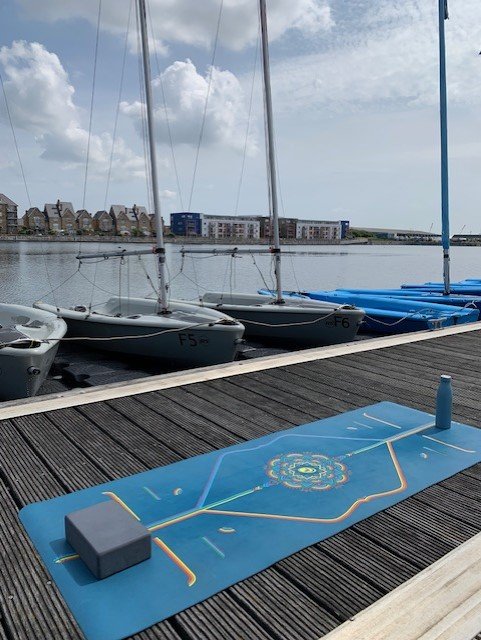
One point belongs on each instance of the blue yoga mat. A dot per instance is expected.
(219, 518)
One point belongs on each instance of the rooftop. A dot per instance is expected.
(6, 200)
(406, 232)
(52, 210)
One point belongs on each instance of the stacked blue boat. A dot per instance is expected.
(468, 287)
(421, 295)
(388, 314)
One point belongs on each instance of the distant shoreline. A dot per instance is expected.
(226, 241)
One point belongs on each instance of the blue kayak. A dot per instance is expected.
(390, 315)
(420, 296)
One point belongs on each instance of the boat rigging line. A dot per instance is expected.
(94, 80)
(166, 111)
(206, 104)
(119, 99)
(15, 142)
(22, 171)
(248, 126)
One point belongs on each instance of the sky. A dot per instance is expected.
(355, 93)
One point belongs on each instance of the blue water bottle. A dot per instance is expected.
(444, 403)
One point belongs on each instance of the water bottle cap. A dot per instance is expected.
(445, 377)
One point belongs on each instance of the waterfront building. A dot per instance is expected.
(8, 215)
(396, 234)
(186, 224)
(210, 226)
(140, 220)
(466, 238)
(131, 220)
(35, 221)
(103, 222)
(321, 230)
(61, 217)
(122, 220)
(246, 228)
(189, 224)
(166, 227)
(84, 221)
(287, 228)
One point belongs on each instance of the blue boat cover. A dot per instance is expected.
(219, 518)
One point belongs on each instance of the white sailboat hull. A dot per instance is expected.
(25, 364)
(295, 321)
(186, 337)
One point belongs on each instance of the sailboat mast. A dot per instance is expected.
(443, 15)
(272, 174)
(160, 248)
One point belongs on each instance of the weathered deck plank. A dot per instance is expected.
(306, 595)
(443, 602)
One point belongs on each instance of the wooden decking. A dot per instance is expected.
(76, 445)
(442, 602)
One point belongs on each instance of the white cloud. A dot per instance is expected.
(193, 22)
(185, 96)
(387, 56)
(41, 102)
(167, 194)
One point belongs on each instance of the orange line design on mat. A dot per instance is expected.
(64, 559)
(119, 501)
(402, 486)
(191, 577)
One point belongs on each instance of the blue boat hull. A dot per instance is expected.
(386, 315)
(468, 287)
(453, 299)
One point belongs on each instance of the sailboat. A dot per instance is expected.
(29, 340)
(465, 294)
(275, 316)
(177, 333)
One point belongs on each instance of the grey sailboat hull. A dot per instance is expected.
(24, 364)
(132, 327)
(296, 321)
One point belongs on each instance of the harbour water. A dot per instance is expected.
(49, 271)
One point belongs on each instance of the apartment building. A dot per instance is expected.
(188, 224)
(209, 226)
(247, 228)
(323, 230)
(8, 215)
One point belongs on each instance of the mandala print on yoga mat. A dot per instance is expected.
(307, 471)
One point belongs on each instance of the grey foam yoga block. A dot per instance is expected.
(107, 538)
